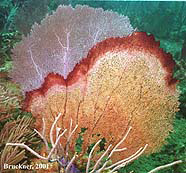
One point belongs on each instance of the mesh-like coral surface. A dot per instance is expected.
(62, 40)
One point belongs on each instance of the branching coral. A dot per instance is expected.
(10, 96)
(124, 80)
(67, 163)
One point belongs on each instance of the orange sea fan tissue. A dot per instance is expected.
(120, 82)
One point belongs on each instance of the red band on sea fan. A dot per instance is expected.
(138, 41)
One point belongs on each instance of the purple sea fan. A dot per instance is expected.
(61, 41)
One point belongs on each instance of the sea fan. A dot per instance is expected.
(90, 67)
(61, 41)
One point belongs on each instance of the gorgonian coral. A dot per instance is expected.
(88, 65)
(10, 96)
(61, 41)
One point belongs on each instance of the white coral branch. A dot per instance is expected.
(71, 132)
(118, 164)
(45, 141)
(115, 149)
(90, 155)
(166, 166)
(124, 162)
(99, 160)
(28, 148)
(70, 163)
(52, 129)
(54, 144)
(96, 168)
